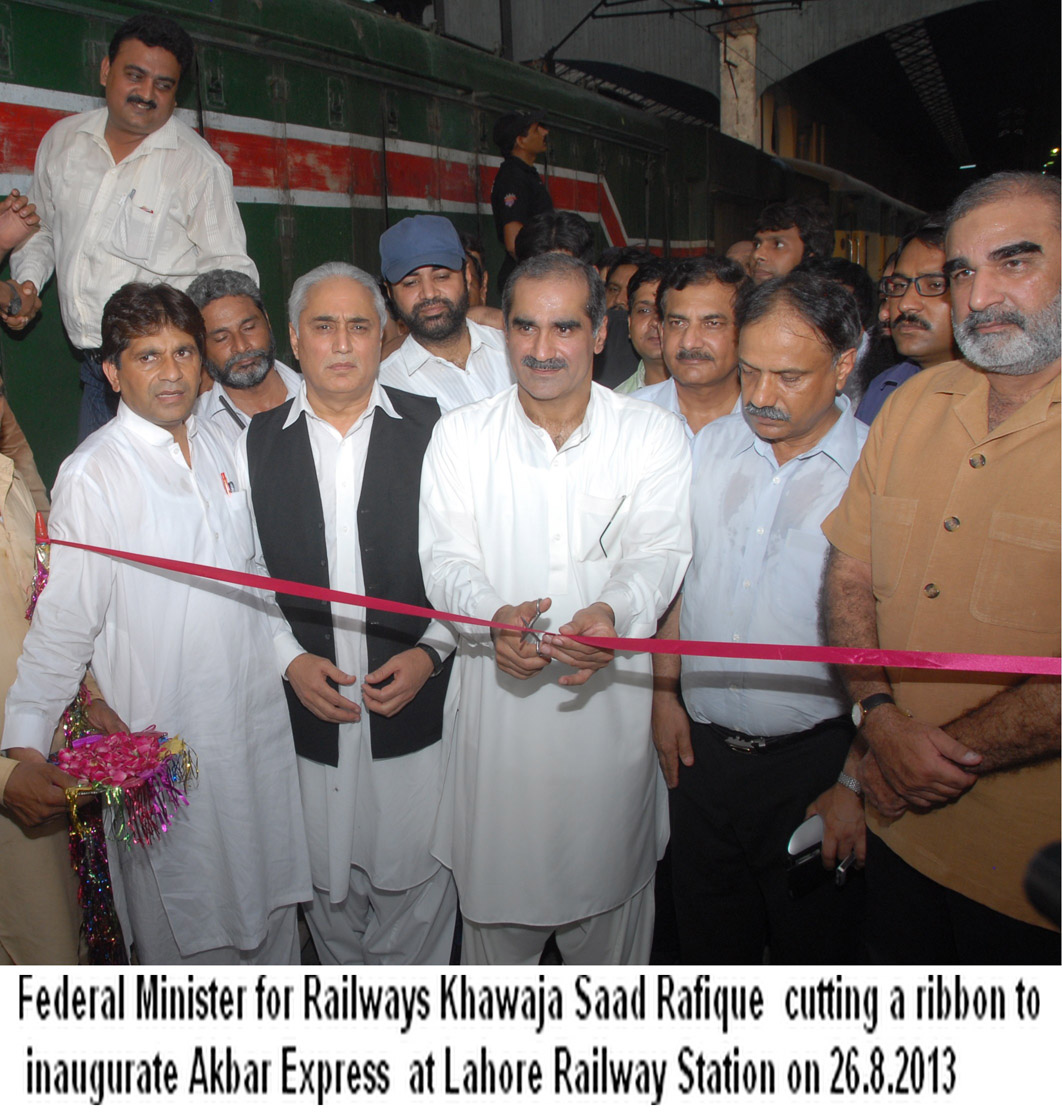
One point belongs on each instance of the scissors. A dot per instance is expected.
(534, 636)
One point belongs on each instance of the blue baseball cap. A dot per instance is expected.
(421, 241)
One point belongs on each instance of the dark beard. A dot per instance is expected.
(444, 327)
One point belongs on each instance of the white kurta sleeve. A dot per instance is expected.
(286, 647)
(450, 555)
(69, 615)
(656, 542)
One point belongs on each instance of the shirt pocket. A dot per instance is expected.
(1017, 581)
(136, 229)
(598, 527)
(239, 533)
(891, 523)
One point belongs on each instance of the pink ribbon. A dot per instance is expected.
(845, 656)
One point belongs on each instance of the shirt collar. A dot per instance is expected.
(415, 355)
(212, 400)
(841, 442)
(146, 430)
(301, 405)
(577, 436)
(95, 123)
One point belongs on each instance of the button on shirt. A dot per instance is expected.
(164, 213)
(217, 407)
(411, 367)
(930, 457)
(375, 814)
(758, 554)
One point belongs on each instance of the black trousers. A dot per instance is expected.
(731, 818)
(913, 920)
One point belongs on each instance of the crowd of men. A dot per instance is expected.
(719, 449)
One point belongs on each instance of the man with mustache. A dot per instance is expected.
(445, 355)
(948, 540)
(751, 743)
(561, 499)
(699, 341)
(126, 193)
(194, 658)
(334, 476)
(240, 353)
(916, 292)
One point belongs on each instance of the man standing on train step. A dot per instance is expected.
(518, 193)
(127, 193)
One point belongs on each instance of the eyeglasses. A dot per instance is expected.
(929, 286)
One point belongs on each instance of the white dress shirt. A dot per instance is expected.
(217, 406)
(165, 213)
(190, 656)
(411, 367)
(756, 573)
(553, 808)
(376, 814)
(665, 395)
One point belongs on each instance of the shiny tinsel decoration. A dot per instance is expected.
(141, 809)
(75, 722)
(88, 853)
(40, 572)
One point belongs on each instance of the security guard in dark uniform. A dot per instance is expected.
(518, 193)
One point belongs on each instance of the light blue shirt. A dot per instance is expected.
(758, 555)
(665, 394)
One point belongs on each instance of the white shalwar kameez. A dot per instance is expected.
(553, 809)
(193, 657)
(370, 815)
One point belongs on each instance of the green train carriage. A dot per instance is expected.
(336, 121)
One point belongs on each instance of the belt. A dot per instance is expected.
(749, 745)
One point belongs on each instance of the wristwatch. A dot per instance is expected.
(868, 704)
(850, 783)
(436, 659)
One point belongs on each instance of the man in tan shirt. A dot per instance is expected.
(948, 539)
(39, 917)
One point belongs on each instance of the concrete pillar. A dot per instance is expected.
(739, 106)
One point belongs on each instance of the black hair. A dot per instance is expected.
(701, 269)
(607, 257)
(156, 30)
(930, 232)
(652, 271)
(558, 265)
(556, 231)
(142, 309)
(849, 275)
(625, 257)
(827, 306)
(811, 220)
(472, 243)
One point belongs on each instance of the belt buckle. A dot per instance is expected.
(746, 746)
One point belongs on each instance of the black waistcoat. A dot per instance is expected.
(287, 507)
